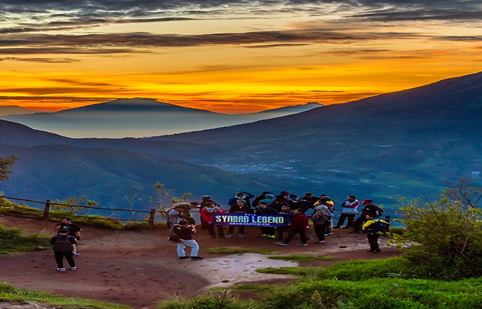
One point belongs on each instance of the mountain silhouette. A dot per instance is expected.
(6, 110)
(139, 117)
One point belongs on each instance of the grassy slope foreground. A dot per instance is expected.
(364, 284)
(14, 295)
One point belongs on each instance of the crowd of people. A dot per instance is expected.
(299, 211)
(319, 210)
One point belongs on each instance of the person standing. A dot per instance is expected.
(299, 226)
(63, 247)
(264, 209)
(73, 230)
(185, 232)
(320, 221)
(287, 213)
(239, 208)
(374, 228)
(349, 209)
(207, 216)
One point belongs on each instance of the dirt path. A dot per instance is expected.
(140, 268)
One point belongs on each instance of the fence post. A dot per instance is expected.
(152, 215)
(46, 210)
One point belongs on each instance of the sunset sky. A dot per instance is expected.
(230, 56)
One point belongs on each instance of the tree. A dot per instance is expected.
(464, 193)
(6, 164)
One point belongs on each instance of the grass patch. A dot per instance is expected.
(211, 300)
(378, 293)
(13, 240)
(297, 271)
(302, 257)
(11, 294)
(237, 250)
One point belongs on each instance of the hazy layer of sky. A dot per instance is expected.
(230, 56)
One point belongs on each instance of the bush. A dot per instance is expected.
(446, 238)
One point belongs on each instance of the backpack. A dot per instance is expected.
(381, 226)
(63, 245)
(320, 217)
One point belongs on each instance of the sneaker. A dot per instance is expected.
(196, 258)
(183, 257)
(264, 235)
(304, 245)
(73, 268)
(240, 235)
(321, 242)
(61, 269)
(278, 243)
(271, 236)
(228, 235)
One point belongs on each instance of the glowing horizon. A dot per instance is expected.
(231, 56)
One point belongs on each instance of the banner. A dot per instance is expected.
(252, 220)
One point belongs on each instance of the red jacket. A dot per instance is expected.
(207, 216)
(300, 221)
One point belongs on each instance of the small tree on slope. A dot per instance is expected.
(6, 164)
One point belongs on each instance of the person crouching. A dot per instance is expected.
(185, 232)
(63, 246)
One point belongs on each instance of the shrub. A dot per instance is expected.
(446, 238)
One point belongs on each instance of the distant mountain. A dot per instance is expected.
(410, 143)
(6, 110)
(137, 118)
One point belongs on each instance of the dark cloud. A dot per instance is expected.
(75, 23)
(41, 60)
(47, 50)
(276, 45)
(95, 43)
(58, 90)
(51, 99)
(80, 83)
(464, 38)
(85, 12)
(412, 15)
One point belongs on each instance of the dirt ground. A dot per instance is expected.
(140, 268)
